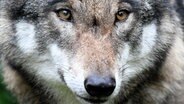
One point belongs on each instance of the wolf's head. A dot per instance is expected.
(102, 50)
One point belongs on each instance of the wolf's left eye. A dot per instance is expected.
(122, 15)
(64, 14)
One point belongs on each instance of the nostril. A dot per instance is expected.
(98, 86)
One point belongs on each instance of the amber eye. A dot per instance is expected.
(122, 15)
(64, 14)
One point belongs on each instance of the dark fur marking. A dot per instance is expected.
(39, 90)
(150, 76)
(131, 2)
(52, 2)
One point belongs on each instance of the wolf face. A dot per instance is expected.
(102, 50)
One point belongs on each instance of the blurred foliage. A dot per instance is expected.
(5, 96)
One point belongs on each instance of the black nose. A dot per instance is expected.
(98, 86)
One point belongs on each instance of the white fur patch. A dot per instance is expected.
(59, 57)
(48, 72)
(75, 78)
(125, 55)
(122, 64)
(73, 74)
(118, 83)
(134, 64)
(26, 37)
(148, 6)
(148, 39)
(125, 25)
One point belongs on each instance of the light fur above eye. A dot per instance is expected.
(64, 14)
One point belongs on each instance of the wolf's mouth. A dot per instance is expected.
(94, 101)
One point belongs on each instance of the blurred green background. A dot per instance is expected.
(5, 96)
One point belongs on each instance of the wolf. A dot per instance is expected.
(93, 51)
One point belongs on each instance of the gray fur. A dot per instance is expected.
(44, 58)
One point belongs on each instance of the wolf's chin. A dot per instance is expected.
(92, 100)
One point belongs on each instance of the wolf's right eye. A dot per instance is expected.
(122, 15)
(64, 14)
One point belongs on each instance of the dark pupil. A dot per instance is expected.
(65, 12)
(121, 13)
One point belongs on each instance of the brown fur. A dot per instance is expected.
(19, 86)
(96, 51)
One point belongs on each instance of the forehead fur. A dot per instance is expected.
(37, 5)
(86, 10)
